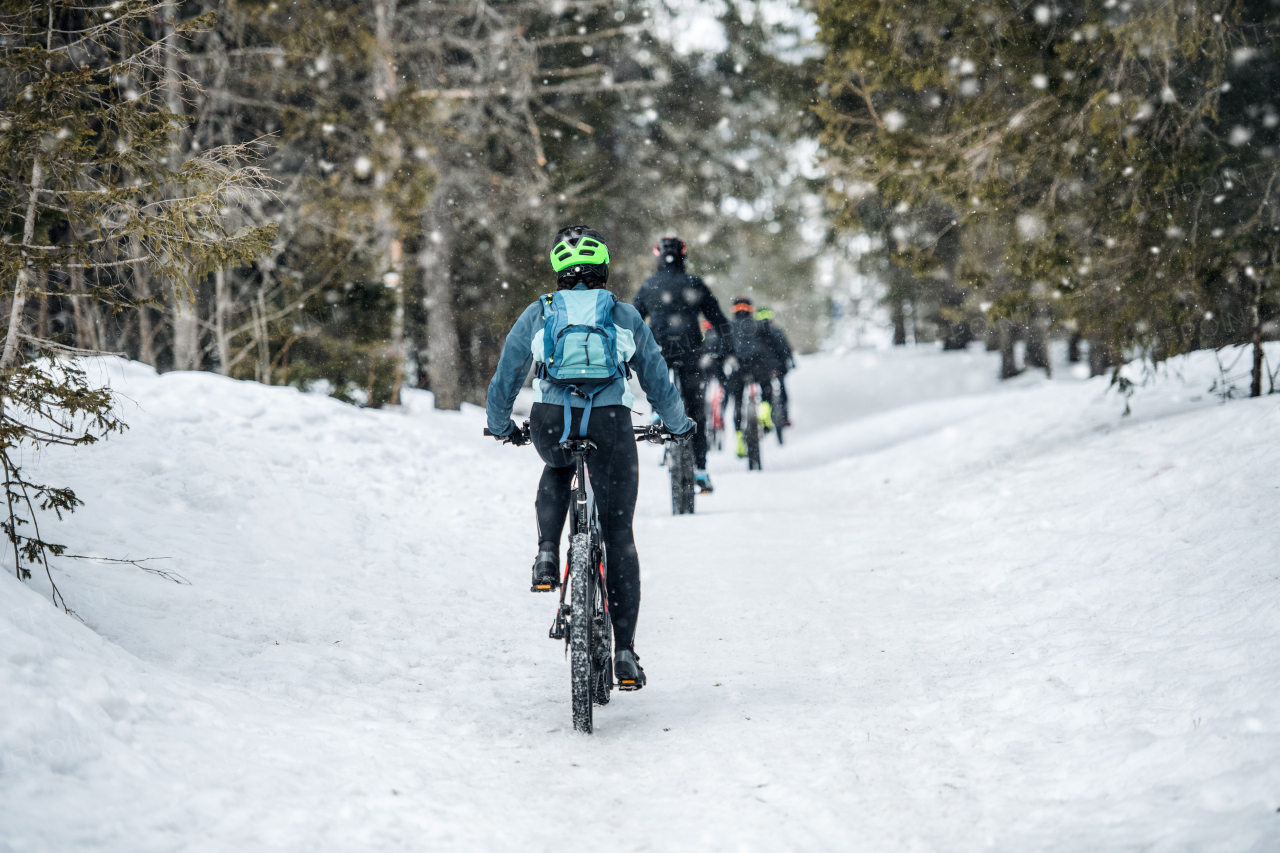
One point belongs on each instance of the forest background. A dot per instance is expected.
(1003, 171)
(417, 158)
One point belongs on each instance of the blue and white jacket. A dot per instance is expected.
(636, 347)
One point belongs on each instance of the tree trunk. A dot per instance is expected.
(20, 290)
(1037, 354)
(85, 337)
(42, 315)
(991, 337)
(1008, 360)
(142, 293)
(1255, 386)
(1073, 346)
(186, 329)
(898, 311)
(386, 85)
(435, 259)
(221, 307)
(264, 343)
(1099, 356)
(398, 343)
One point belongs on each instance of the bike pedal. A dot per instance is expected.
(543, 587)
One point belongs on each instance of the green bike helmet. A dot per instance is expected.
(580, 251)
(764, 313)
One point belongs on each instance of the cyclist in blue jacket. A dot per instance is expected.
(581, 261)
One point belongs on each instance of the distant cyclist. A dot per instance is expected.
(715, 349)
(671, 300)
(602, 411)
(783, 357)
(754, 354)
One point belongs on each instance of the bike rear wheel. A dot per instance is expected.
(753, 430)
(581, 595)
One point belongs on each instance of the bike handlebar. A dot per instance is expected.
(651, 432)
(661, 435)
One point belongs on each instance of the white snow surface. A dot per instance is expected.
(949, 615)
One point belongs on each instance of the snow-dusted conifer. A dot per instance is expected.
(1120, 154)
(88, 194)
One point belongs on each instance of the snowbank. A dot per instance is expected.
(950, 614)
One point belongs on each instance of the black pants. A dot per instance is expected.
(693, 389)
(614, 467)
(737, 385)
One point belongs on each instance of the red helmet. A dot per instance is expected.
(672, 247)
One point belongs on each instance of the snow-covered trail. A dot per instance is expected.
(947, 616)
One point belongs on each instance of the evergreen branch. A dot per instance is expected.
(65, 349)
(164, 573)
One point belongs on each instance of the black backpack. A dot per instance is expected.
(749, 344)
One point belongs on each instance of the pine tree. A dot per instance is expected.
(500, 123)
(1121, 152)
(89, 193)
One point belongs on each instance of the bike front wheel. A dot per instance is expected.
(753, 432)
(580, 598)
(682, 479)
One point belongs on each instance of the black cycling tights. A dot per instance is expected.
(614, 467)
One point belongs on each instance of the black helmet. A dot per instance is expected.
(670, 251)
(570, 250)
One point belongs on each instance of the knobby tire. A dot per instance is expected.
(779, 418)
(753, 432)
(580, 652)
(682, 478)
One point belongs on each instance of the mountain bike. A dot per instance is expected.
(680, 464)
(582, 617)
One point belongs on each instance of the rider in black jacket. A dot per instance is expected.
(671, 300)
(784, 357)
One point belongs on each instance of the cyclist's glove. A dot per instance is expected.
(516, 436)
(684, 437)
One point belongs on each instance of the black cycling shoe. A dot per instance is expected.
(629, 673)
(546, 572)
